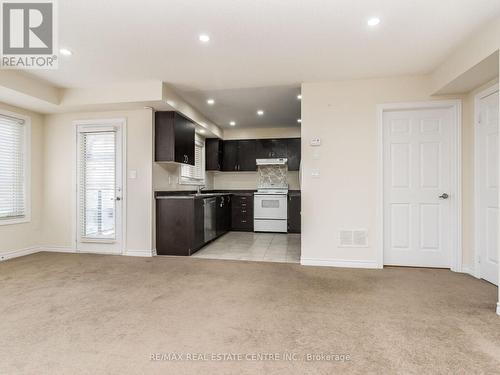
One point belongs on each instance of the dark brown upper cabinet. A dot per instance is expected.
(247, 156)
(213, 154)
(239, 156)
(293, 153)
(230, 156)
(174, 138)
(271, 148)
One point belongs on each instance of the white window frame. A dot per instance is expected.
(199, 141)
(27, 169)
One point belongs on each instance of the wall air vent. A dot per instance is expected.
(353, 238)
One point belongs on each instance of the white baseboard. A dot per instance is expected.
(57, 249)
(64, 249)
(19, 253)
(339, 263)
(469, 271)
(498, 308)
(138, 253)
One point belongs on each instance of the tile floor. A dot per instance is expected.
(263, 247)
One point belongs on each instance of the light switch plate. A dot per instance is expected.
(315, 141)
(315, 173)
(132, 174)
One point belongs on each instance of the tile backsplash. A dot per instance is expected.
(247, 180)
(272, 176)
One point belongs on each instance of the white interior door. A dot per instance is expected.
(99, 190)
(487, 186)
(418, 187)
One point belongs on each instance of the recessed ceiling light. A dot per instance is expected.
(201, 131)
(299, 120)
(232, 123)
(65, 52)
(373, 21)
(260, 112)
(204, 38)
(299, 97)
(210, 101)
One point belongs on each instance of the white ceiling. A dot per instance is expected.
(256, 43)
(279, 103)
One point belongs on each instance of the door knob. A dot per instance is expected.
(444, 196)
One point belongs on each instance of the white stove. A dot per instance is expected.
(270, 200)
(270, 210)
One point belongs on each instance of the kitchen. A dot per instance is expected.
(234, 197)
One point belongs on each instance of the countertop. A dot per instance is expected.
(191, 194)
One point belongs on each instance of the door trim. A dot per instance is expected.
(477, 98)
(456, 145)
(122, 122)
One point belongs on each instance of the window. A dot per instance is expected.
(195, 175)
(14, 170)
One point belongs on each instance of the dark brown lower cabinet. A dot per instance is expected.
(179, 226)
(242, 212)
(223, 215)
(294, 204)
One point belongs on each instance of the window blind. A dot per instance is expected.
(97, 185)
(195, 172)
(12, 168)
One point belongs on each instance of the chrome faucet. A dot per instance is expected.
(199, 189)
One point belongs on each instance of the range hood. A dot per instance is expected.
(277, 161)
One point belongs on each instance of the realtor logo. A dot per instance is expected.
(28, 34)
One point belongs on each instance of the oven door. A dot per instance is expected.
(267, 206)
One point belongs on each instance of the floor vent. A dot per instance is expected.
(353, 238)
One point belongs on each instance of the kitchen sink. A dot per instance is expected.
(207, 194)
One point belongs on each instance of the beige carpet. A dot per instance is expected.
(70, 314)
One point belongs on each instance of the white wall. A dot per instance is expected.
(261, 133)
(469, 53)
(166, 177)
(23, 236)
(59, 161)
(344, 115)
